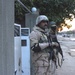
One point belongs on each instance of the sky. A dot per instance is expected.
(70, 23)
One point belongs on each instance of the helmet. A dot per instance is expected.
(41, 18)
(52, 24)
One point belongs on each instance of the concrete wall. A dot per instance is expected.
(30, 20)
(6, 37)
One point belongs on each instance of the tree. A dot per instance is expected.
(56, 10)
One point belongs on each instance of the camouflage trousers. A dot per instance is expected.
(40, 64)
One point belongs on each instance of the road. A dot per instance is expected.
(68, 47)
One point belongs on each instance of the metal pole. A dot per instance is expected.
(24, 6)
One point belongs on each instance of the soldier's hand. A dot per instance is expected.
(55, 44)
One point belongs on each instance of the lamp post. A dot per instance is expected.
(30, 17)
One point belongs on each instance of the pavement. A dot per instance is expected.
(68, 47)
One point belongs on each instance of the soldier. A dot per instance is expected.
(40, 47)
(53, 36)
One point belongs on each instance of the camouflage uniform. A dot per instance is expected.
(40, 62)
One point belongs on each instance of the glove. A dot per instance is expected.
(36, 48)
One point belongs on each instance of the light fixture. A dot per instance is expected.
(34, 10)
